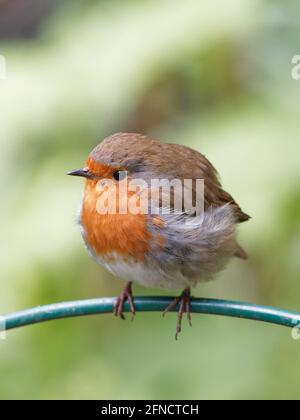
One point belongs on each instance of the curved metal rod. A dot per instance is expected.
(149, 304)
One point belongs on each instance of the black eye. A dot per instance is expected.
(119, 175)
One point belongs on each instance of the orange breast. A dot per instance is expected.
(124, 234)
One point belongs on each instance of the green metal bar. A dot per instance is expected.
(149, 304)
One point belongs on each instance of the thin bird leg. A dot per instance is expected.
(184, 302)
(121, 299)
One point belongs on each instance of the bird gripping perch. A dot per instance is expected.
(149, 304)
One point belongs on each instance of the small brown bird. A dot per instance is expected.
(139, 216)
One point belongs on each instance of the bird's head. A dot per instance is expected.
(122, 153)
(120, 158)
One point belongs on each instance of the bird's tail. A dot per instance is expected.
(241, 253)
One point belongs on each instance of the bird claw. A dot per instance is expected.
(126, 295)
(184, 302)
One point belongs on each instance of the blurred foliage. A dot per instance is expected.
(219, 82)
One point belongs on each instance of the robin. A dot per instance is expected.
(162, 245)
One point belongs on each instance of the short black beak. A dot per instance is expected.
(85, 173)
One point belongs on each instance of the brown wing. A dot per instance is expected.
(214, 195)
(193, 162)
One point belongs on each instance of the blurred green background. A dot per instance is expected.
(212, 75)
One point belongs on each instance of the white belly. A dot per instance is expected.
(144, 275)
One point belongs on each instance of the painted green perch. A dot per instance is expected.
(149, 304)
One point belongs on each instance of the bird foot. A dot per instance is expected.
(184, 302)
(126, 295)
